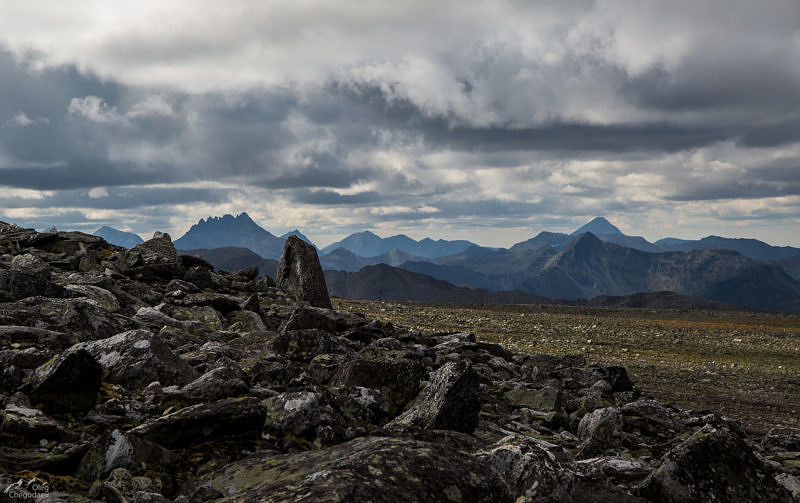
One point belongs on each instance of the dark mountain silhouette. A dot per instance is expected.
(342, 259)
(368, 244)
(118, 237)
(478, 267)
(588, 267)
(232, 258)
(555, 239)
(384, 282)
(660, 300)
(599, 226)
(240, 231)
(752, 248)
(791, 265)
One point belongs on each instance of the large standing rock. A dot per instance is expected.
(363, 470)
(156, 258)
(68, 383)
(136, 358)
(300, 273)
(713, 465)
(450, 402)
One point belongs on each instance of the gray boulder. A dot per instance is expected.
(531, 472)
(713, 465)
(300, 273)
(231, 417)
(601, 429)
(398, 380)
(68, 383)
(218, 383)
(156, 258)
(29, 276)
(121, 450)
(450, 401)
(371, 469)
(301, 419)
(136, 358)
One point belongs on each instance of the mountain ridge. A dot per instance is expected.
(118, 237)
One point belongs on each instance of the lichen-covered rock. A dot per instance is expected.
(30, 424)
(371, 469)
(532, 473)
(300, 273)
(68, 383)
(600, 430)
(449, 402)
(302, 419)
(649, 417)
(17, 285)
(398, 380)
(547, 398)
(231, 417)
(117, 449)
(304, 345)
(713, 465)
(79, 317)
(786, 439)
(156, 258)
(24, 337)
(136, 358)
(106, 299)
(221, 382)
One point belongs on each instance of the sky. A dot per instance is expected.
(488, 121)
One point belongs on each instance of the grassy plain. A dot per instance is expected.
(744, 365)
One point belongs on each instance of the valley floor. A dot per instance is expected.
(742, 364)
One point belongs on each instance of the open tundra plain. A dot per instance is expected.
(745, 365)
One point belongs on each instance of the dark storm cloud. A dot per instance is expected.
(780, 178)
(509, 112)
(86, 174)
(327, 173)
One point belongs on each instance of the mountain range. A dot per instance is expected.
(597, 260)
(368, 244)
(117, 237)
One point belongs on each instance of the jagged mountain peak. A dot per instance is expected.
(118, 237)
(598, 226)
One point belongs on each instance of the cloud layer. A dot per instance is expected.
(489, 121)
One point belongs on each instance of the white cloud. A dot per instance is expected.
(21, 119)
(98, 192)
(94, 109)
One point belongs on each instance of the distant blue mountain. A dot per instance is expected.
(118, 237)
(240, 231)
(752, 248)
(368, 244)
(342, 259)
(598, 226)
(299, 234)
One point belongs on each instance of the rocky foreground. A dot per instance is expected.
(144, 376)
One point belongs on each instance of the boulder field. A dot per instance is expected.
(140, 375)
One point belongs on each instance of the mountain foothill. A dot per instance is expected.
(597, 264)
